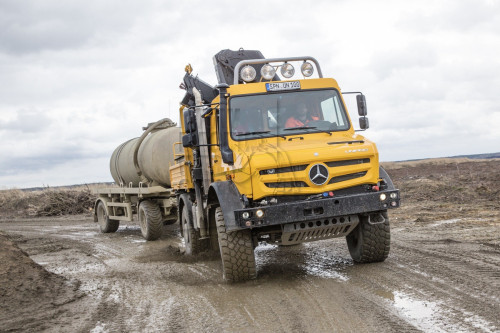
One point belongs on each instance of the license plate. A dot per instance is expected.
(292, 85)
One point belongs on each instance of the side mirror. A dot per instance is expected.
(364, 123)
(190, 140)
(360, 99)
(189, 120)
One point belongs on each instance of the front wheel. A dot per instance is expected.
(106, 225)
(236, 249)
(370, 242)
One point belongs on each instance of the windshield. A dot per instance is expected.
(287, 113)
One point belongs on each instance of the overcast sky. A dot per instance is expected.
(77, 78)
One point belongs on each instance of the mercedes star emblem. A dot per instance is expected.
(318, 174)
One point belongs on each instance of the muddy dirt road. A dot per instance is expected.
(442, 275)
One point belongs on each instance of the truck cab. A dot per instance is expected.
(275, 158)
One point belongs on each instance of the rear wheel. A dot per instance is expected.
(105, 224)
(150, 220)
(236, 249)
(370, 242)
(192, 243)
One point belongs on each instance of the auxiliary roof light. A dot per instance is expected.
(307, 69)
(248, 73)
(287, 70)
(267, 72)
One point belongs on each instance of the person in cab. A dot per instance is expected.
(301, 117)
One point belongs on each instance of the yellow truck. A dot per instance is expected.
(263, 156)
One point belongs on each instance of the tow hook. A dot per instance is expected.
(376, 218)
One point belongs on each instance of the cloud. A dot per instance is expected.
(78, 78)
(455, 17)
(34, 26)
(396, 61)
(26, 121)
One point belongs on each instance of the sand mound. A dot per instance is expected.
(29, 294)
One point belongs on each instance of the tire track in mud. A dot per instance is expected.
(455, 280)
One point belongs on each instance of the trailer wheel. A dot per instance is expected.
(370, 242)
(150, 220)
(236, 249)
(106, 225)
(192, 243)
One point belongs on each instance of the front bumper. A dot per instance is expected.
(315, 210)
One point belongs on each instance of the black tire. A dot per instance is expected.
(105, 224)
(236, 249)
(150, 220)
(192, 243)
(370, 242)
(214, 237)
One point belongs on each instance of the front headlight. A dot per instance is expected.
(307, 69)
(259, 213)
(287, 70)
(383, 197)
(267, 72)
(248, 73)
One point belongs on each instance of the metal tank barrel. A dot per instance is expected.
(146, 159)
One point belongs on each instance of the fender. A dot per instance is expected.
(383, 174)
(228, 197)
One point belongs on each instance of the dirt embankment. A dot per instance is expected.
(447, 188)
(442, 275)
(29, 294)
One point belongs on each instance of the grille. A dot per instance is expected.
(343, 178)
(284, 169)
(348, 162)
(286, 184)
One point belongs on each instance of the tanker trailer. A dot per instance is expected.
(140, 169)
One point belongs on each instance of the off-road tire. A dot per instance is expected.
(214, 236)
(105, 224)
(192, 243)
(150, 220)
(370, 242)
(236, 249)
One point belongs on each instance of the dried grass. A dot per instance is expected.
(46, 202)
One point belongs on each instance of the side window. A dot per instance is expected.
(338, 112)
(328, 110)
(332, 111)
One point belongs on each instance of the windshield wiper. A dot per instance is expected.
(307, 127)
(299, 128)
(251, 133)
